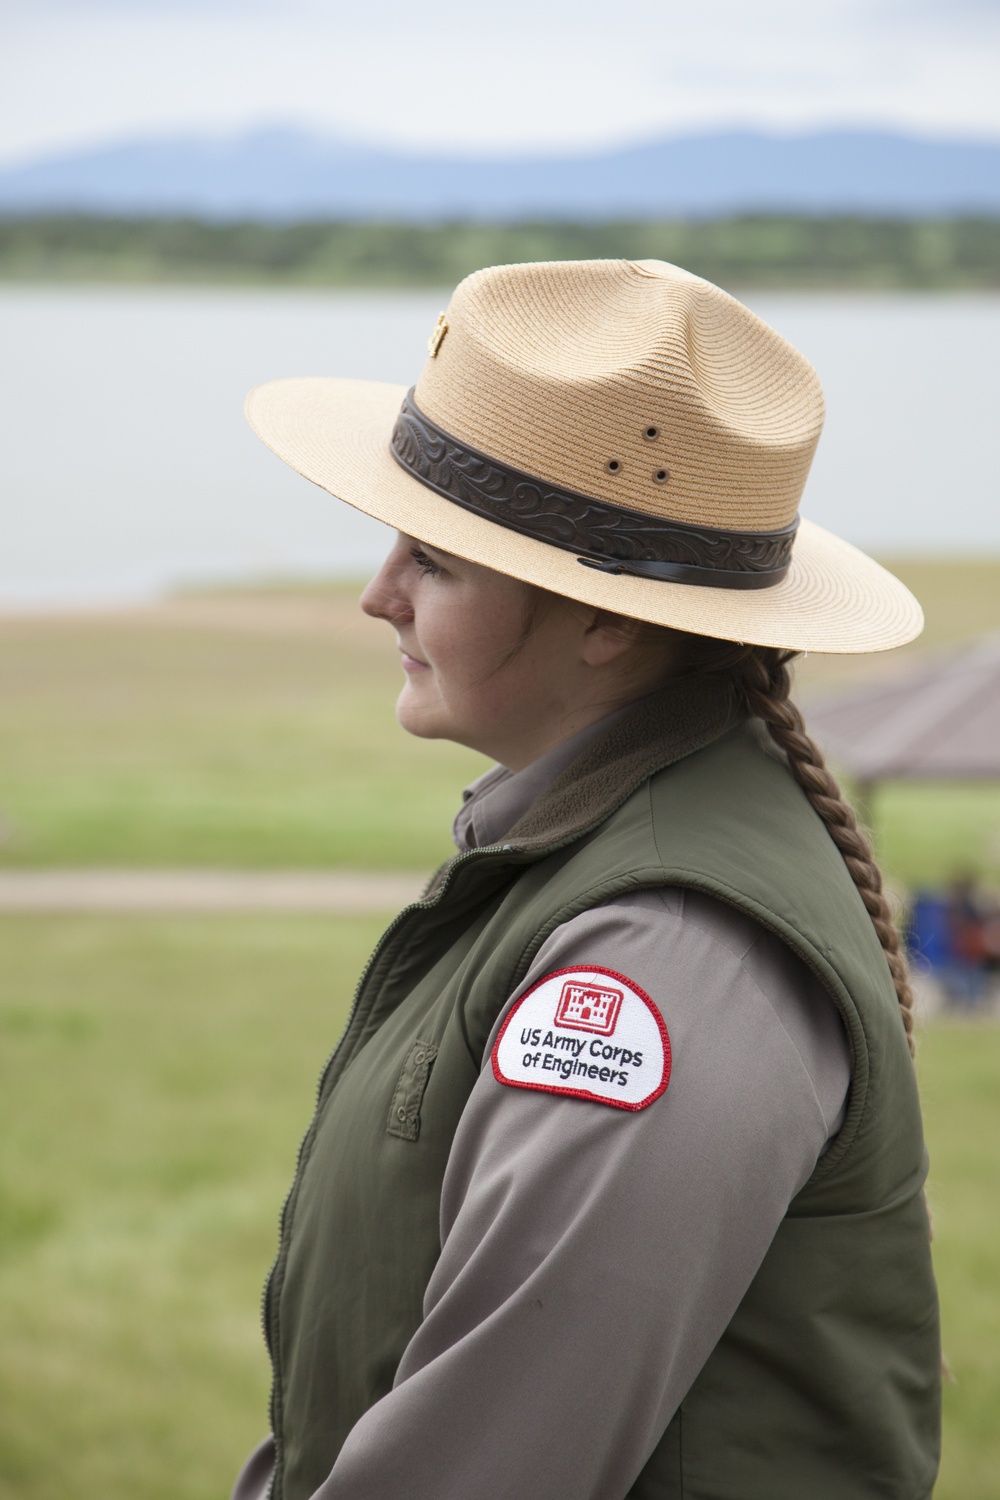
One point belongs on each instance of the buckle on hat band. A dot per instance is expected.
(610, 538)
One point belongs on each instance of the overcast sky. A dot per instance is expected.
(520, 74)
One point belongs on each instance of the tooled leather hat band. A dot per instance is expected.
(608, 537)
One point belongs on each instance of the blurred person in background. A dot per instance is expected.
(614, 1183)
(973, 926)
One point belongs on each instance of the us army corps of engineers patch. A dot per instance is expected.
(590, 1033)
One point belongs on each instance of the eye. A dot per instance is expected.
(426, 564)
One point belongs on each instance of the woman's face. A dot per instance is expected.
(489, 662)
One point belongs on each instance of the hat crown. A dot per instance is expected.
(635, 383)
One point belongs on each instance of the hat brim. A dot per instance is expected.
(336, 433)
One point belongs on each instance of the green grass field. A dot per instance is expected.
(251, 730)
(256, 729)
(155, 1076)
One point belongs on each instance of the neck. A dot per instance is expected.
(517, 754)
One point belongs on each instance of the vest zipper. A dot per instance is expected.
(268, 1308)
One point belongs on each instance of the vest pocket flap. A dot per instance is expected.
(404, 1112)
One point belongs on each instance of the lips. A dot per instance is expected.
(412, 663)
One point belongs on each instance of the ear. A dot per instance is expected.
(606, 638)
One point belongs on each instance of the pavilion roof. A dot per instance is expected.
(940, 721)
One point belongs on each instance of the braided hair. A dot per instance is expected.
(762, 681)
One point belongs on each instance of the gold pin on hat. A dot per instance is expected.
(437, 337)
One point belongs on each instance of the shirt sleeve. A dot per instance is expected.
(593, 1256)
(254, 1479)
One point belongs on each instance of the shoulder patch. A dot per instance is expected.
(590, 1033)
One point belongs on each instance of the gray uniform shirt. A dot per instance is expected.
(592, 1257)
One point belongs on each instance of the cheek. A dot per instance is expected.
(468, 639)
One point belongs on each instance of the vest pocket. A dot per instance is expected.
(404, 1112)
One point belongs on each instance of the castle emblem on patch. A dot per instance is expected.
(588, 1007)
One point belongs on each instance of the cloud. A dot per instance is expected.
(532, 74)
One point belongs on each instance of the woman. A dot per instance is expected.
(614, 1185)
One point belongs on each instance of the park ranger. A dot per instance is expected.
(614, 1185)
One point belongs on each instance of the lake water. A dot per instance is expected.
(126, 466)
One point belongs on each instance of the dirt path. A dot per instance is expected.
(344, 892)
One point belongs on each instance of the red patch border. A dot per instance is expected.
(549, 1088)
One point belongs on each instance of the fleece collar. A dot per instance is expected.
(654, 732)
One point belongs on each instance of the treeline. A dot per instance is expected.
(753, 250)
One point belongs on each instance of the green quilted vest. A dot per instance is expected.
(825, 1384)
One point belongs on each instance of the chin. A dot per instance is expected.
(424, 720)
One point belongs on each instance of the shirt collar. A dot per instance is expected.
(498, 799)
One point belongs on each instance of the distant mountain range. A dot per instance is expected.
(285, 174)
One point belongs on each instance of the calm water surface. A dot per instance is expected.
(126, 465)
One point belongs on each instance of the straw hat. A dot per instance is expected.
(619, 432)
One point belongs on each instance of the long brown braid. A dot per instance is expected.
(763, 677)
(762, 682)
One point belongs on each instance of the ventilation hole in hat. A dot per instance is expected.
(651, 433)
(661, 476)
(612, 466)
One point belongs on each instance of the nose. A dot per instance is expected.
(385, 597)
